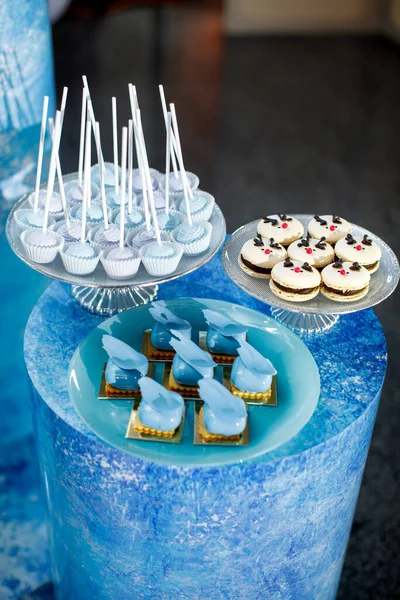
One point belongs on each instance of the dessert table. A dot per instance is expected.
(275, 527)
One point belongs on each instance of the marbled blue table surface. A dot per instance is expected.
(351, 358)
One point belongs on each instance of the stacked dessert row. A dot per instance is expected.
(113, 214)
(328, 259)
(223, 416)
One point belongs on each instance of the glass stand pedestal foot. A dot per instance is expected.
(110, 301)
(304, 322)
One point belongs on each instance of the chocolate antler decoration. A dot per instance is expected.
(285, 218)
(258, 240)
(350, 240)
(272, 221)
(355, 267)
(366, 241)
(288, 263)
(273, 244)
(321, 244)
(338, 264)
(336, 219)
(320, 221)
(304, 242)
(307, 267)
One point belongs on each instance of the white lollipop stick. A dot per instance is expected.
(86, 185)
(181, 165)
(147, 175)
(82, 136)
(167, 163)
(172, 142)
(97, 140)
(52, 168)
(92, 117)
(130, 164)
(40, 154)
(88, 142)
(124, 145)
(59, 176)
(142, 175)
(63, 103)
(115, 143)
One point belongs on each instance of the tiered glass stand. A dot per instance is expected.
(97, 292)
(320, 313)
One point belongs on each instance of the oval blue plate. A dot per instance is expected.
(270, 426)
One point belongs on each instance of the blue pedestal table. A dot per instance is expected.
(275, 527)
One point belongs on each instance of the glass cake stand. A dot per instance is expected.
(320, 313)
(98, 293)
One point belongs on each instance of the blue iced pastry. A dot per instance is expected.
(166, 321)
(125, 366)
(160, 410)
(224, 335)
(190, 363)
(252, 373)
(223, 414)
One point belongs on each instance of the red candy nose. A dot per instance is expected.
(342, 272)
(284, 225)
(297, 270)
(267, 251)
(358, 247)
(309, 250)
(332, 228)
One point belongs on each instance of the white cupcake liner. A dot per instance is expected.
(205, 213)
(156, 174)
(77, 265)
(41, 254)
(95, 192)
(56, 226)
(120, 269)
(194, 183)
(97, 245)
(198, 246)
(21, 226)
(128, 226)
(165, 236)
(158, 267)
(76, 206)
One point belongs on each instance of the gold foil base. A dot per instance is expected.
(270, 398)
(105, 393)
(133, 434)
(152, 353)
(215, 440)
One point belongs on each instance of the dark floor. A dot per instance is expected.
(296, 124)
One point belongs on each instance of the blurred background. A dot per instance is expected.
(289, 105)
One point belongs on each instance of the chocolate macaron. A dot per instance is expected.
(359, 249)
(283, 228)
(345, 281)
(332, 227)
(295, 281)
(258, 256)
